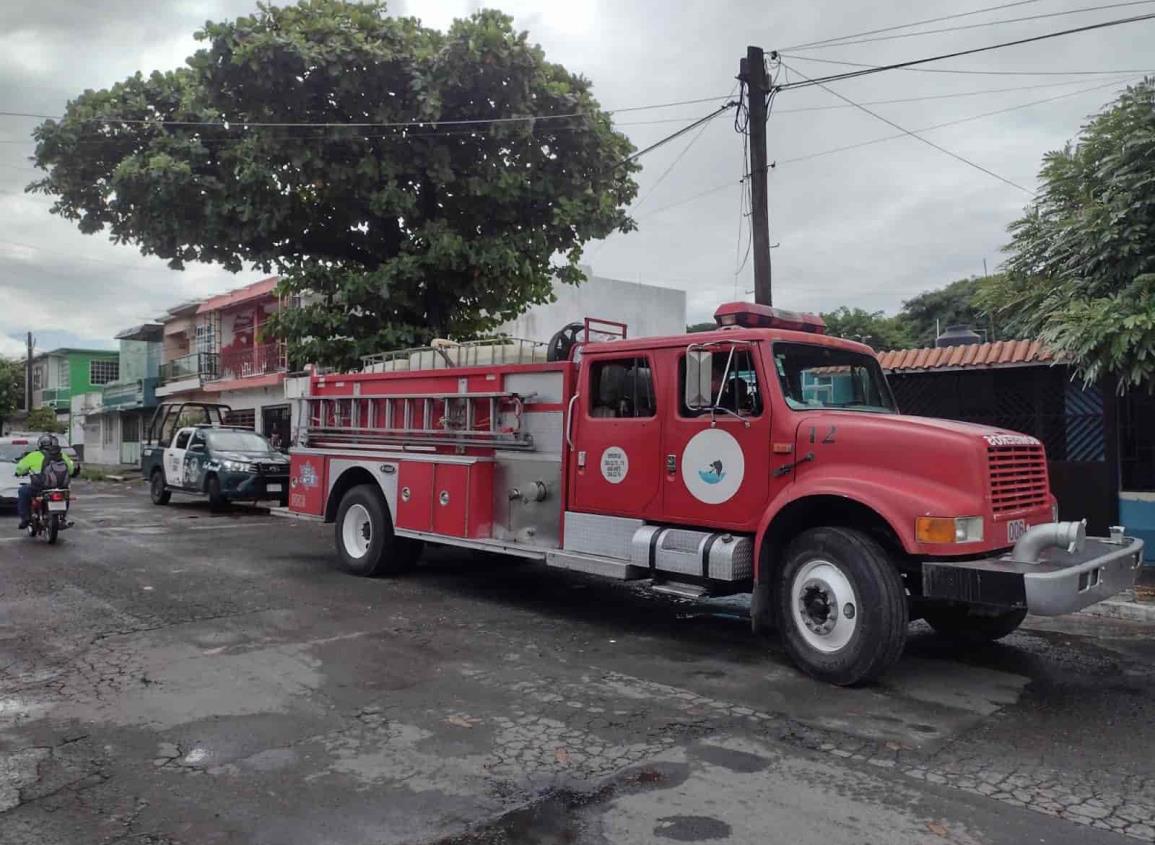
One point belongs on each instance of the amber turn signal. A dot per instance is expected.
(934, 529)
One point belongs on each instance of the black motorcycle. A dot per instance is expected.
(49, 514)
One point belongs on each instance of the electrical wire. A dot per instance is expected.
(663, 141)
(969, 72)
(809, 44)
(807, 82)
(918, 137)
(999, 22)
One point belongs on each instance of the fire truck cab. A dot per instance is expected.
(763, 457)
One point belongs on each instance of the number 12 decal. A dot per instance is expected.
(829, 438)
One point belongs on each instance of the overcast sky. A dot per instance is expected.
(864, 227)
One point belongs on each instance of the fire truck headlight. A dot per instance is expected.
(941, 529)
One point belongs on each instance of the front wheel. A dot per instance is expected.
(156, 489)
(53, 528)
(966, 626)
(217, 500)
(842, 606)
(366, 543)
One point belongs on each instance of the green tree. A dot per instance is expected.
(392, 234)
(11, 388)
(1081, 272)
(873, 328)
(956, 304)
(44, 419)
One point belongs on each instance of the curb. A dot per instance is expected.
(1122, 607)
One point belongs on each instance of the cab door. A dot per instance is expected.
(174, 464)
(717, 458)
(616, 437)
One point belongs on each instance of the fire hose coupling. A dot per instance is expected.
(1069, 535)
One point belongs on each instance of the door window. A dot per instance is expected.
(622, 389)
(182, 439)
(734, 384)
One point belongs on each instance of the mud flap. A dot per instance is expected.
(762, 608)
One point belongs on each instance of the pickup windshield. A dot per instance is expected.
(816, 377)
(238, 441)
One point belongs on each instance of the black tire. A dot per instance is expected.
(217, 500)
(53, 529)
(832, 634)
(961, 624)
(383, 553)
(156, 488)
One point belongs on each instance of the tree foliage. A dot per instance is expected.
(395, 233)
(1081, 272)
(11, 387)
(44, 419)
(959, 303)
(873, 328)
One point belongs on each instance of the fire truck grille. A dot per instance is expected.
(1018, 477)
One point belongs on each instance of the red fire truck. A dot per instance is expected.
(763, 457)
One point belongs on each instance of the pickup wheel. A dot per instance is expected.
(842, 606)
(217, 500)
(156, 489)
(366, 543)
(965, 626)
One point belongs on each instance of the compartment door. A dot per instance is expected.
(415, 496)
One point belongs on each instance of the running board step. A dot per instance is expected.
(606, 567)
(677, 588)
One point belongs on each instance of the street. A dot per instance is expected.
(171, 675)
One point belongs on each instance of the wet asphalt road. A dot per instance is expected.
(168, 675)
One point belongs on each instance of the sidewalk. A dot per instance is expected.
(1137, 605)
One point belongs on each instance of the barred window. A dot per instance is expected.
(103, 371)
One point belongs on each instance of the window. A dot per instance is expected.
(243, 419)
(182, 439)
(734, 383)
(103, 371)
(63, 374)
(622, 388)
(238, 441)
(827, 377)
(108, 429)
(130, 428)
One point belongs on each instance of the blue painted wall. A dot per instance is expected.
(1137, 513)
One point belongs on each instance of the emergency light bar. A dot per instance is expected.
(748, 315)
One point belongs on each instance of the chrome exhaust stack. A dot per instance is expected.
(1069, 535)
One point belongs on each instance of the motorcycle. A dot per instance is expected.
(49, 514)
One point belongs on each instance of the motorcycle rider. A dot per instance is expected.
(43, 465)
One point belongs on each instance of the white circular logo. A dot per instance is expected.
(615, 465)
(713, 466)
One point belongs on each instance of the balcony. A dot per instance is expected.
(56, 397)
(249, 361)
(199, 365)
(123, 396)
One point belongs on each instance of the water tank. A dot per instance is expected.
(958, 336)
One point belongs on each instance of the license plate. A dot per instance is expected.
(55, 507)
(1016, 528)
(273, 488)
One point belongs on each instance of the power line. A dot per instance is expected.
(968, 72)
(972, 51)
(242, 123)
(809, 44)
(977, 25)
(847, 147)
(680, 132)
(916, 136)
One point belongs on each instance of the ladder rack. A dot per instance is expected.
(457, 419)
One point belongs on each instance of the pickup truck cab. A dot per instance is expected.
(225, 464)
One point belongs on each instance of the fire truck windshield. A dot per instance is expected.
(815, 377)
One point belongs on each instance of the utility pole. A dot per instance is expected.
(752, 71)
(28, 377)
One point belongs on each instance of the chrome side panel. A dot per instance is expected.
(545, 387)
(383, 472)
(604, 536)
(518, 516)
(547, 429)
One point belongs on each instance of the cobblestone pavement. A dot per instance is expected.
(170, 676)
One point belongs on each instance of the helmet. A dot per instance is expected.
(47, 442)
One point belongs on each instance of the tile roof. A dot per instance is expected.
(1001, 353)
(257, 290)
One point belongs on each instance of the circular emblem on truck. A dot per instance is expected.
(713, 466)
(615, 464)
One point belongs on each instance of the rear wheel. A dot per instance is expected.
(366, 543)
(967, 626)
(156, 489)
(53, 528)
(841, 605)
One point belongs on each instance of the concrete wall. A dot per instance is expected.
(648, 310)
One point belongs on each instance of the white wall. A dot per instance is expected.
(648, 310)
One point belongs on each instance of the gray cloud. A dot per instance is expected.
(865, 227)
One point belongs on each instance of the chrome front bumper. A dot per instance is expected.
(1061, 582)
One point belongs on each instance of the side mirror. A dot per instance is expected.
(699, 372)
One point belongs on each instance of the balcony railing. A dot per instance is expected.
(203, 365)
(253, 361)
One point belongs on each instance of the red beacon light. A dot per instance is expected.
(748, 315)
